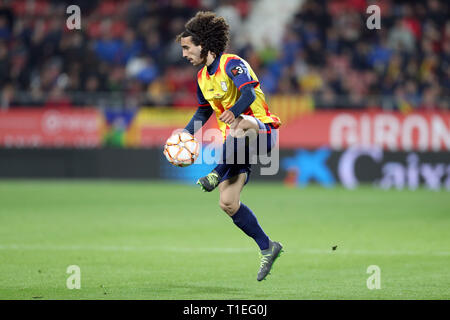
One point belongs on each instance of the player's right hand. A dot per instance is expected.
(227, 117)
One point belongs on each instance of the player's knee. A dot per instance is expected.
(243, 129)
(246, 126)
(230, 207)
(237, 133)
(236, 128)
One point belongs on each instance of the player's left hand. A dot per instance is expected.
(227, 117)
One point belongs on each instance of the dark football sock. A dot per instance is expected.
(221, 169)
(245, 219)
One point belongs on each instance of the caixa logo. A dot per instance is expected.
(310, 166)
(409, 170)
(369, 165)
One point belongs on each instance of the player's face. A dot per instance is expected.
(190, 51)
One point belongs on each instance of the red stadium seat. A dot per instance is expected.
(108, 8)
(94, 30)
(118, 28)
(18, 7)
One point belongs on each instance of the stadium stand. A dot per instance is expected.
(124, 55)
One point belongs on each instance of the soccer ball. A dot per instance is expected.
(181, 149)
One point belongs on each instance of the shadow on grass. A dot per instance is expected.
(193, 291)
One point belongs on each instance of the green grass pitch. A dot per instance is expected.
(158, 240)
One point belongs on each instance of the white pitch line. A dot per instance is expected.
(114, 248)
(118, 248)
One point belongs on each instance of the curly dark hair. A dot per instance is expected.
(207, 30)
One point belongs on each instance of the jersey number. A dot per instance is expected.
(237, 70)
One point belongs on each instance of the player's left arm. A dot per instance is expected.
(238, 73)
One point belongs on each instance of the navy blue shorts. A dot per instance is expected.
(270, 134)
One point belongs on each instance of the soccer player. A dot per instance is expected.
(228, 87)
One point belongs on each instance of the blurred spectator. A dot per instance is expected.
(7, 96)
(401, 38)
(229, 10)
(4, 64)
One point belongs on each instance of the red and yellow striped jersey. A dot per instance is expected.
(221, 92)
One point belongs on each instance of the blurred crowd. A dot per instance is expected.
(124, 55)
(329, 52)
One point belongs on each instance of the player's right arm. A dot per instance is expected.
(203, 113)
